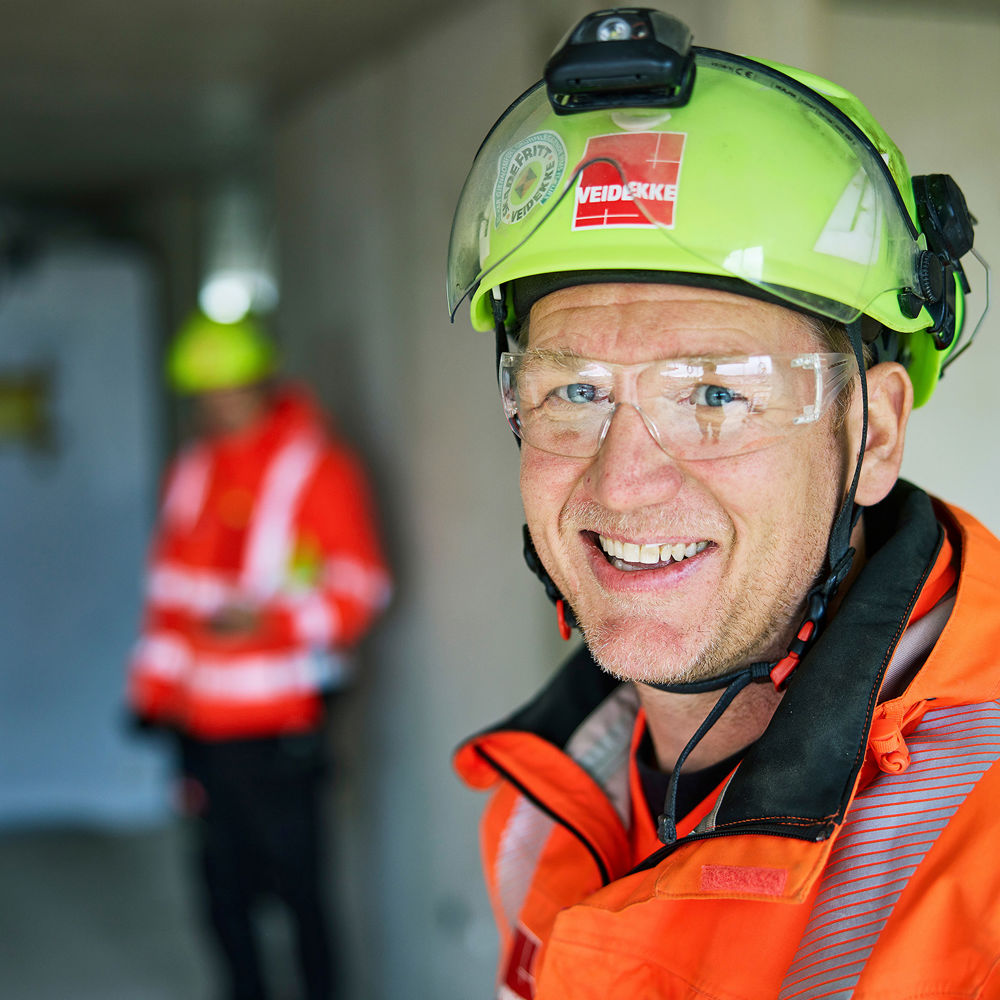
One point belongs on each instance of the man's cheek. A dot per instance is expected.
(541, 493)
(548, 483)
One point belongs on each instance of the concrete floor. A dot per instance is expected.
(96, 916)
(89, 915)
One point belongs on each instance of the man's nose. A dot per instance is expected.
(631, 469)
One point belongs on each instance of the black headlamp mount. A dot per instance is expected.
(628, 57)
(946, 223)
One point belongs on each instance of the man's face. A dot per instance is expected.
(229, 411)
(760, 521)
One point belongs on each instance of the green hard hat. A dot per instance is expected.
(206, 355)
(766, 180)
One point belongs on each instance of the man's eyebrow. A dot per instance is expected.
(562, 356)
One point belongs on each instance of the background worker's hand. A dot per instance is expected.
(234, 620)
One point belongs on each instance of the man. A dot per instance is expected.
(266, 569)
(771, 773)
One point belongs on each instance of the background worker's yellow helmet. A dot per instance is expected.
(206, 355)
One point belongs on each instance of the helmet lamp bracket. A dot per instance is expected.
(944, 216)
(946, 223)
(629, 57)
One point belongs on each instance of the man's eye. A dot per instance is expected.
(713, 395)
(578, 392)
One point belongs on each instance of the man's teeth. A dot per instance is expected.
(632, 552)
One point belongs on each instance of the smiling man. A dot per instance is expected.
(771, 771)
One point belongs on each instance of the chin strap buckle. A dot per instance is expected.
(565, 619)
(819, 600)
(782, 671)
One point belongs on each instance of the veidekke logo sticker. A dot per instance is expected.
(608, 197)
(527, 175)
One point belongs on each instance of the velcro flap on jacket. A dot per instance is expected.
(758, 867)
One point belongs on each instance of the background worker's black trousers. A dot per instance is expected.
(257, 807)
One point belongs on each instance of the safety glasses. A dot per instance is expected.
(694, 408)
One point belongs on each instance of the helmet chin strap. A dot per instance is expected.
(839, 557)
(499, 307)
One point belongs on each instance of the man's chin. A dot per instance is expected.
(648, 654)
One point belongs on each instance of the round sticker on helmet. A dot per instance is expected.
(527, 175)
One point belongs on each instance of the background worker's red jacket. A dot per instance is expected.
(277, 518)
(854, 852)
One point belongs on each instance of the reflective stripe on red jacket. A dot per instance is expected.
(277, 519)
(851, 854)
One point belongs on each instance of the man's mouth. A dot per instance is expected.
(631, 556)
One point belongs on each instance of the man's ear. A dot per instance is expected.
(890, 399)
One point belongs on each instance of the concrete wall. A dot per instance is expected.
(936, 96)
(367, 179)
(368, 173)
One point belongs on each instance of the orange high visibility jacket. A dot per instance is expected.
(277, 518)
(854, 852)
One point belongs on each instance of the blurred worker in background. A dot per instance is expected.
(265, 570)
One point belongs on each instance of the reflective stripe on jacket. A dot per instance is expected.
(278, 520)
(851, 854)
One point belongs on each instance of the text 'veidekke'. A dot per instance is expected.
(634, 190)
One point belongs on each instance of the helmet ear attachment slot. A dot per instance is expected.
(937, 295)
(886, 345)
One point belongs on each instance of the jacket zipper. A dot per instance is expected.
(551, 813)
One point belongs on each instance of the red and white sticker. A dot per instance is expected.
(518, 979)
(644, 169)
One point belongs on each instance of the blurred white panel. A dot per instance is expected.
(74, 519)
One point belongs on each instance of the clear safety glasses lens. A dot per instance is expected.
(694, 408)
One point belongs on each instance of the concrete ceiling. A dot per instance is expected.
(110, 94)
(107, 95)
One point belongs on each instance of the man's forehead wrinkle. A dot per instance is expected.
(621, 293)
(685, 320)
(614, 294)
